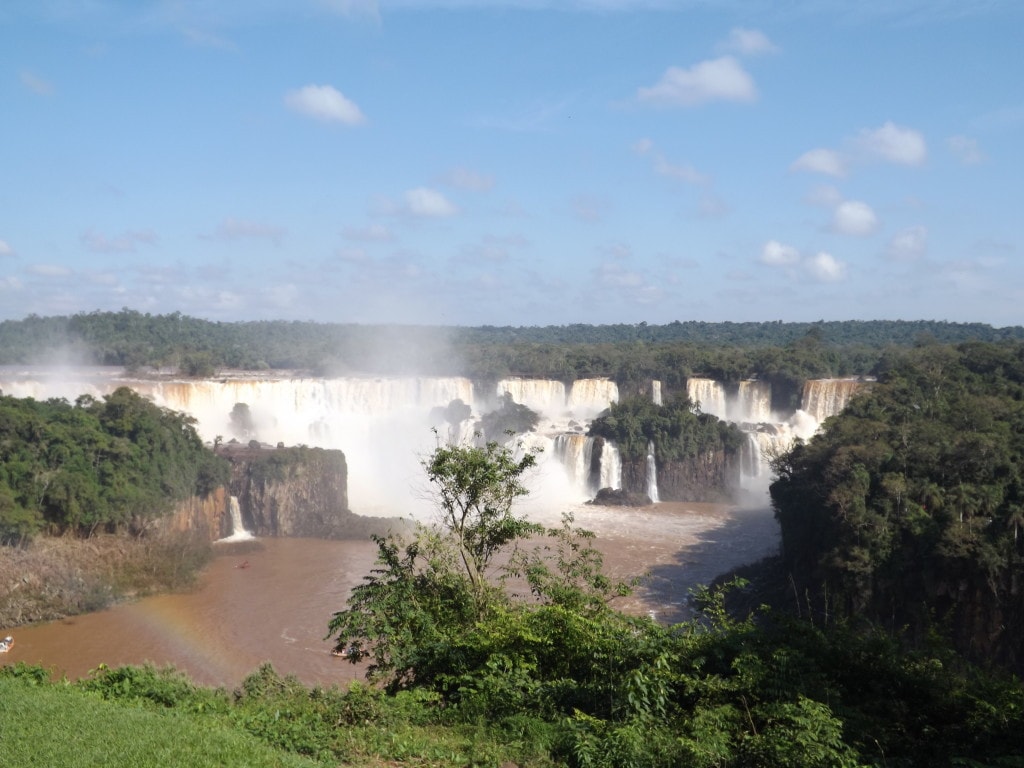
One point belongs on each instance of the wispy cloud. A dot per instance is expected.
(748, 42)
(324, 102)
(205, 39)
(238, 229)
(429, 203)
(909, 245)
(825, 161)
(467, 178)
(50, 270)
(6, 249)
(966, 150)
(35, 83)
(126, 242)
(722, 79)
(663, 167)
(372, 233)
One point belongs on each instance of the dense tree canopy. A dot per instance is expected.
(104, 463)
(909, 506)
(678, 429)
(547, 657)
(784, 353)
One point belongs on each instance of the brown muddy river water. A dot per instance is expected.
(277, 608)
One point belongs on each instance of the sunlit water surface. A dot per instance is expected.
(276, 609)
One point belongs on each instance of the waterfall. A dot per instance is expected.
(588, 397)
(709, 394)
(652, 473)
(574, 451)
(656, 392)
(541, 395)
(827, 397)
(611, 466)
(753, 403)
(238, 532)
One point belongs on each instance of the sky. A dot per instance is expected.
(513, 162)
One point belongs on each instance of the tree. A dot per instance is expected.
(426, 594)
(475, 489)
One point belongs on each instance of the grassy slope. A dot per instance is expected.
(62, 726)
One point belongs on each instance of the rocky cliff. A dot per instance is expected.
(295, 492)
(712, 477)
(205, 516)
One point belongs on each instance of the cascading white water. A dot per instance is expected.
(238, 532)
(709, 394)
(588, 397)
(827, 397)
(656, 392)
(752, 404)
(652, 473)
(575, 452)
(541, 395)
(383, 423)
(611, 466)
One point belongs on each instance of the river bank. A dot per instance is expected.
(56, 577)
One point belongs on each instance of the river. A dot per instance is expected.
(276, 608)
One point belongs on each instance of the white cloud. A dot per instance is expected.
(894, 144)
(909, 244)
(6, 249)
(465, 178)
(722, 79)
(966, 150)
(826, 161)
(826, 268)
(11, 283)
(323, 102)
(36, 84)
(429, 203)
(748, 42)
(776, 254)
(853, 217)
(124, 243)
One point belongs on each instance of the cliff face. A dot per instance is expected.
(291, 491)
(711, 477)
(297, 492)
(206, 516)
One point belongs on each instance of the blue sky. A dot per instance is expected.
(513, 162)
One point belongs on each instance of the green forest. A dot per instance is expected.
(97, 465)
(784, 353)
(886, 633)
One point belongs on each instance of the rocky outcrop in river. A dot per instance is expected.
(296, 492)
(710, 477)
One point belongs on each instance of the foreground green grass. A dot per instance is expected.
(143, 716)
(44, 725)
